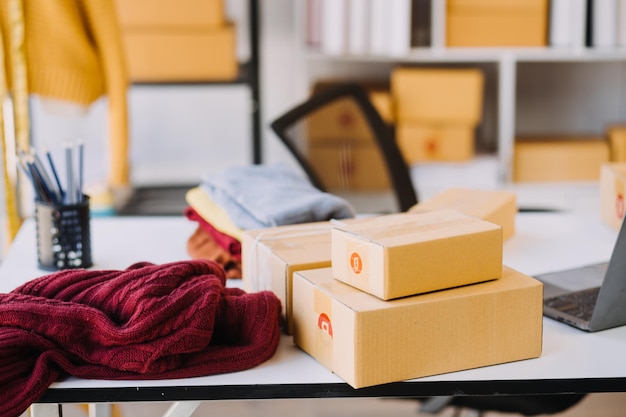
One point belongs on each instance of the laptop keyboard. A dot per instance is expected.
(578, 304)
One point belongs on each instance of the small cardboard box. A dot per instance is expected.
(559, 159)
(170, 13)
(617, 143)
(179, 55)
(368, 341)
(496, 23)
(404, 254)
(349, 166)
(612, 193)
(270, 257)
(438, 95)
(499, 207)
(422, 142)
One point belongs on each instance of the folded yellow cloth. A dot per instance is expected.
(204, 205)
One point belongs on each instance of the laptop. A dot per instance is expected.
(599, 307)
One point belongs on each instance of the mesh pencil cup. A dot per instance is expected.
(63, 235)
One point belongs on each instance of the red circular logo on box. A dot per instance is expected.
(323, 322)
(356, 263)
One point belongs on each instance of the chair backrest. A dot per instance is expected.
(345, 147)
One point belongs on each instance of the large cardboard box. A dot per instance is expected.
(612, 193)
(423, 143)
(271, 256)
(559, 159)
(496, 23)
(368, 341)
(181, 55)
(403, 254)
(495, 206)
(170, 13)
(438, 95)
(349, 165)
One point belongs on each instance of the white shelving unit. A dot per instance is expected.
(505, 60)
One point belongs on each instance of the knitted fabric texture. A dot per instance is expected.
(226, 242)
(149, 321)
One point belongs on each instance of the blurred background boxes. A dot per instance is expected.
(437, 111)
(612, 193)
(497, 23)
(184, 41)
(617, 141)
(559, 158)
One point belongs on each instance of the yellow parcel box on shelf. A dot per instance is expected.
(404, 254)
(170, 13)
(612, 193)
(438, 95)
(423, 142)
(368, 341)
(270, 257)
(499, 207)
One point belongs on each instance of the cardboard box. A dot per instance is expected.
(343, 119)
(344, 166)
(423, 143)
(170, 13)
(499, 207)
(496, 23)
(271, 256)
(617, 143)
(612, 193)
(404, 254)
(559, 159)
(438, 95)
(367, 341)
(173, 55)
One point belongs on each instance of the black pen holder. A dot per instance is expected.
(63, 235)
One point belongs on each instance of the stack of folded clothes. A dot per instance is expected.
(252, 197)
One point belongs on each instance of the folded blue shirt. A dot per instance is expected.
(268, 195)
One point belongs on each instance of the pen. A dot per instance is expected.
(54, 173)
(71, 192)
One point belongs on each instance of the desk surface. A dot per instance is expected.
(571, 361)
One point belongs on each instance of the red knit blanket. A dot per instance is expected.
(146, 322)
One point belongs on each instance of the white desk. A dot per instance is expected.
(572, 361)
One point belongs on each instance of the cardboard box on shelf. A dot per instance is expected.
(173, 55)
(271, 256)
(496, 23)
(495, 206)
(368, 341)
(343, 119)
(404, 254)
(617, 143)
(438, 95)
(423, 142)
(559, 159)
(170, 13)
(344, 166)
(613, 193)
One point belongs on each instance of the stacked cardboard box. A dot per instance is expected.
(437, 112)
(499, 207)
(398, 296)
(177, 40)
(497, 23)
(617, 143)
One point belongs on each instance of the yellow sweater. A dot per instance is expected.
(74, 52)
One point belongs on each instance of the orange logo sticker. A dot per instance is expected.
(619, 206)
(356, 263)
(323, 322)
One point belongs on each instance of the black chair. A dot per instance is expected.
(344, 147)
